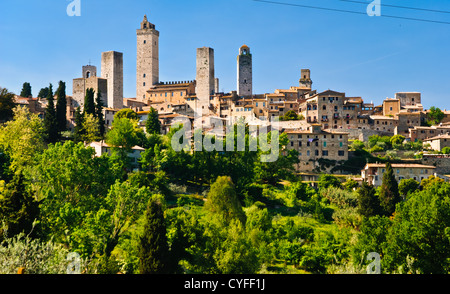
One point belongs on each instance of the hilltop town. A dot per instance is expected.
(330, 118)
(93, 182)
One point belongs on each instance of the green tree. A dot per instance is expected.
(372, 238)
(368, 202)
(26, 90)
(22, 138)
(389, 195)
(408, 186)
(99, 114)
(397, 141)
(125, 203)
(91, 129)
(126, 113)
(61, 105)
(123, 135)
(153, 125)
(419, 239)
(223, 201)
(425, 183)
(435, 115)
(43, 93)
(290, 115)
(153, 247)
(89, 103)
(50, 120)
(283, 167)
(7, 105)
(79, 130)
(18, 209)
(326, 181)
(71, 183)
(350, 184)
(357, 145)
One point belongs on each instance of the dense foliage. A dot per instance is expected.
(186, 211)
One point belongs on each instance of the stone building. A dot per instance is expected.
(421, 133)
(112, 71)
(89, 80)
(315, 144)
(244, 72)
(373, 172)
(332, 110)
(147, 60)
(439, 142)
(409, 98)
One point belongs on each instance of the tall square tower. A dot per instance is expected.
(147, 69)
(245, 72)
(205, 80)
(112, 71)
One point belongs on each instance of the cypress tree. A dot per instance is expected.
(26, 90)
(61, 105)
(99, 114)
(79, 129)
(153, 125)
(50, 122)
(17, 208)
(89, 105)
(43, 92)
(389, 194)
(153, 246)
(368, 201)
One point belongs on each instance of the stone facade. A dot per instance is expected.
(409, 98)
(244, 72)
(112, 71)
(439, 142)
(305, 80)
(89, 80)
(315, 144)
(205, 81)
(147, 70)
(373, 172)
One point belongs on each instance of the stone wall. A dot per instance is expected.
(205, 77)
(245, 72)
(112, 70)
(147, 59)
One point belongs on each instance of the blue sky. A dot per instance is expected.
(371, 57)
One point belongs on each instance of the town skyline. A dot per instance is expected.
(271, 69)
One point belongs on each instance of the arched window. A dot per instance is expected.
(324, 107)
(88, 74)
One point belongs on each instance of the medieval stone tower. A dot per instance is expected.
(244, 72)
(88, 80)
(147, 70)
(205, 81)
(305, 80)
(112, 71)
